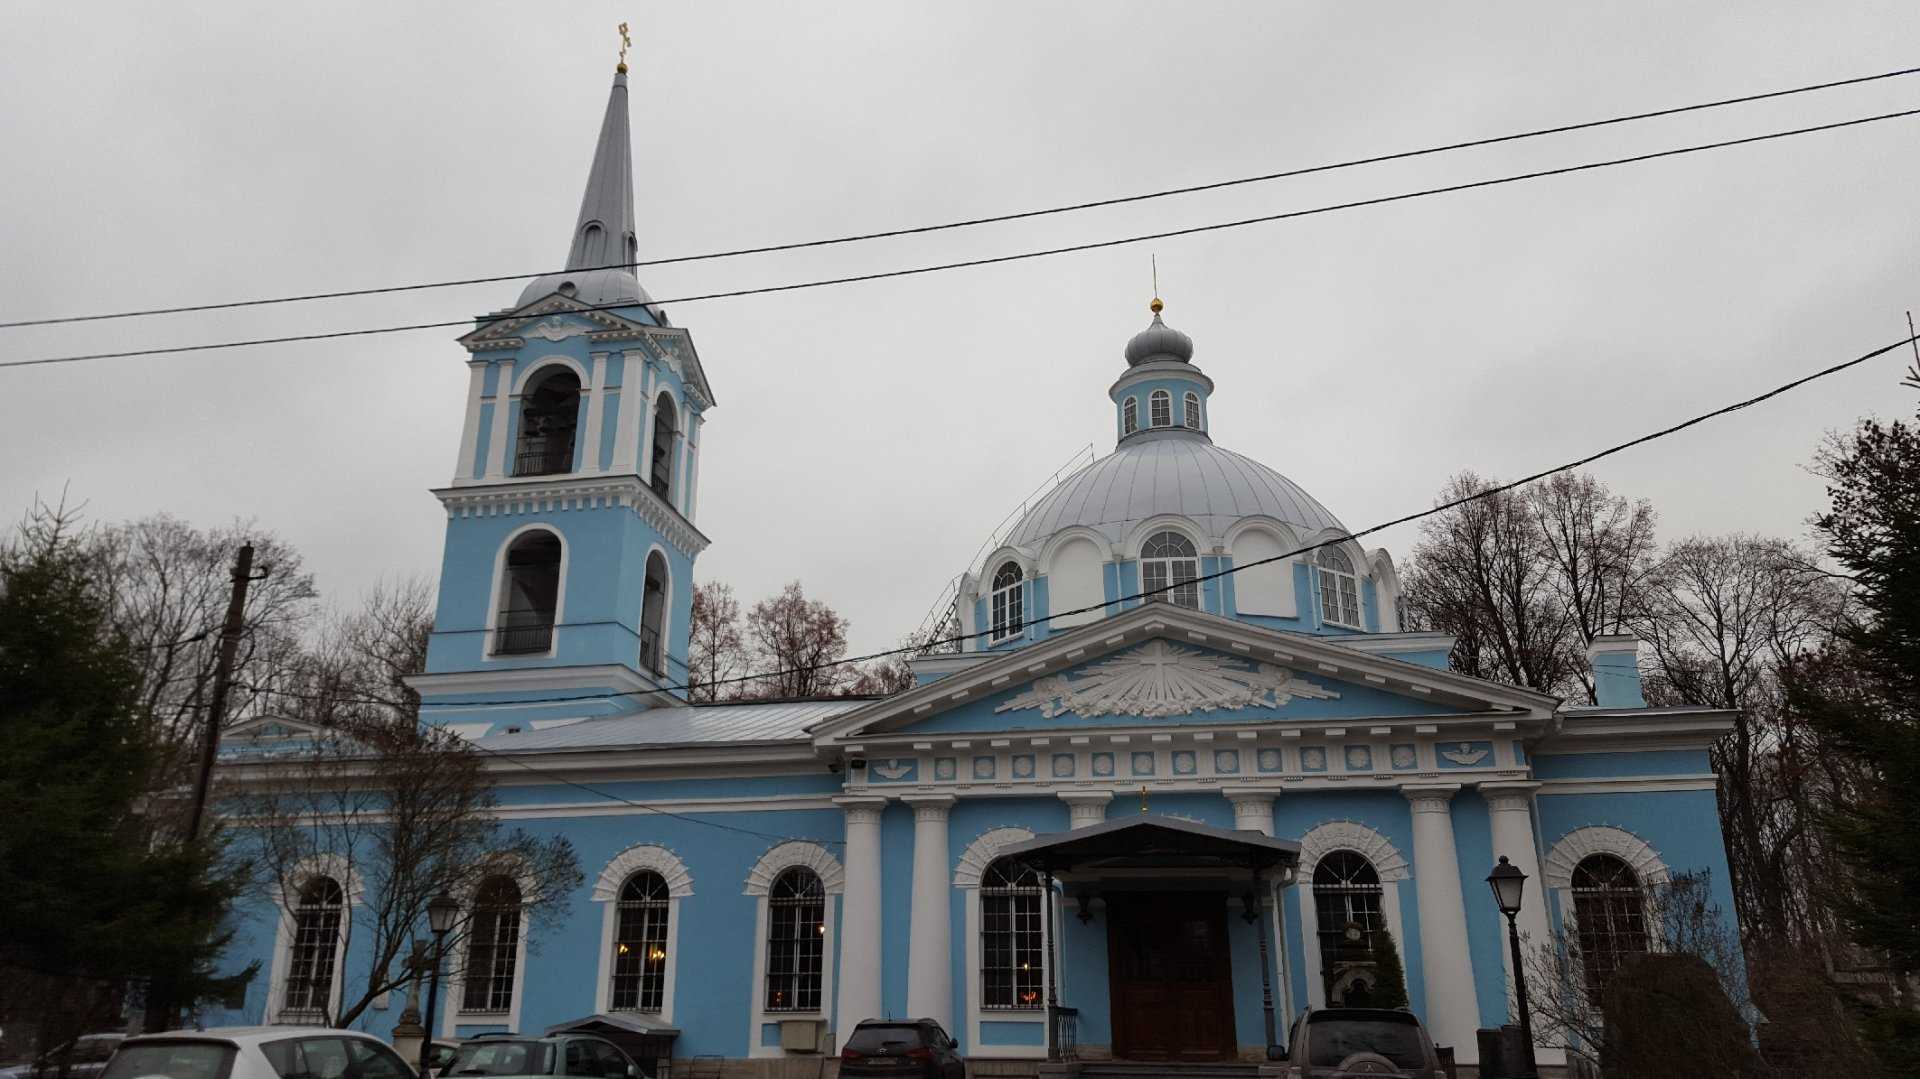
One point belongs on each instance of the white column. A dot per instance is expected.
(1453, 1014)
(646, 427)
(1086, 807)
(860, 914)
(1252, 809)
(633, 403)
(693, 464)
(596, 411)
(1511, 807)
(681, 465)
(503, 399)
(470, 431)
(930, 945)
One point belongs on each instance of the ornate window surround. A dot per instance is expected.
(1388, 862)
(500, 580)
(323, 865)
(968, 869)
(606, 892)
(1556, 868)
(453, 1012)
(833, 879)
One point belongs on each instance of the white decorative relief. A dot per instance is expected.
(643, 856)
(1465, 755)
(982, 851)
(1356, 837)
(796, 852)
(892, 769)
(1160, 679)
(1574, 847)
(556, 329)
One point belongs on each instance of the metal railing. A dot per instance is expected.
(523, 632)
(541, 458)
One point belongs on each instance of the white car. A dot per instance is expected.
(257, 1053)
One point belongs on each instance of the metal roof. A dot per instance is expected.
(1191, 477)
(775, 721)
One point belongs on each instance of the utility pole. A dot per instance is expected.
(222, 679)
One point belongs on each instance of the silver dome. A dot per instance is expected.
(1159, 342)
(597, 288)
(1159, 473)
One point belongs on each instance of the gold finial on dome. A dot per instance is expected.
(1156, 305)
(625, 41)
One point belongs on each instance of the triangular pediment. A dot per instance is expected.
(557, 318)
(1163, 666)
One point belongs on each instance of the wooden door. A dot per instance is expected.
(1171, 981)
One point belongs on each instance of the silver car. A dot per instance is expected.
(1375, 1043)
(257, 1053)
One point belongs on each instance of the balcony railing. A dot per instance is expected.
(543, 458)
(650, 650)
(523, 632)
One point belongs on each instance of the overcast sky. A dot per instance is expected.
(869, 437)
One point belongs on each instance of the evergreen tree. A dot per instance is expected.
(1389, 975)
(1863, 698)
(87, 905)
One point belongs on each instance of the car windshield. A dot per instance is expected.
(171, 1060)
(872, 1039)
(1333, 1040)
(502, 1058)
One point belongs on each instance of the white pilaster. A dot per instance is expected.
(1252, 810)
(693, 463)
(1510, 805)
(646, 427)
(503, 401)
(596, 409)
(860, 914)
(470, 431)
(683, 454)
(930, 945)
(633, 406)
(1086, 807)
(1453, 1014)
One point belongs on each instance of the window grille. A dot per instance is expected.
(549, 418)
(1160, 408)
(640, 945)
(796, 926)
(1008, 615)
(493, 947)
(1012, 937)
(1193, 411)
(316, 944)
(1346, 903)
(1609, 914)
(1168, 558)
(1339, 588)
(1129, 415)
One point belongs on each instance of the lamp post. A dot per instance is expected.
(1509, 887)
(441, 911)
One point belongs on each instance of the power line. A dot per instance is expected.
(1019, 215)
(1476, 496)
(993, 260)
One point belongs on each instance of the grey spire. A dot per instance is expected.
(603, 235)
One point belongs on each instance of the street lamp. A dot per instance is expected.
(441, 911)
(1509, 887)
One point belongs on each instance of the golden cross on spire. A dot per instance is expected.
(625, 42)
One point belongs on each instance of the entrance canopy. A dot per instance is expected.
(1153, 842)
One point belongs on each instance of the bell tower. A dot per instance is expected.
(568, 565)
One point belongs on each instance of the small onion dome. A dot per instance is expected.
(1159, 342)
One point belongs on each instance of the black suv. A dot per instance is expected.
(916, 1047)
(1334, 1043)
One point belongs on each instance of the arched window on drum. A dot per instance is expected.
(1339, 589)
(1168, 561)
(1009, 616)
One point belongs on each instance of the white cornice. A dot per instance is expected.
(621, 679)
(486, 498)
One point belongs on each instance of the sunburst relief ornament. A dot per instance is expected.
(1159, 679)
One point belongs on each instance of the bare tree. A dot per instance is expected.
(716, 649)
(792, 637)
(1600, 548)
(397, 814)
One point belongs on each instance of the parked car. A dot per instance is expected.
(916, 1047)
(85, 1057)
(257, 1053)
(512, 1056)
(1334, 1043)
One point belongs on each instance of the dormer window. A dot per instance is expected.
(1168, 561)
(1129, 415)
(1008, 612)
(666, 423)
(1160, 409)
(549, 416)
(1339, 589)
(1193, 410)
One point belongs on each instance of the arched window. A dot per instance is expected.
(1008, 614)
(1339, 588)
(796, 922)
(1346, 903)
(549, 415)
(1168, 559)
(666, 427)
(640, 945)
(1160, 408)
(1129, 415)
(493, 947)
(1012, 936)
(1193, 410)
(315, 953)
(653, 610)
(1610, 917)
(529, 596)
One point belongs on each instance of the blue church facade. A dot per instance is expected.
(1147, 664)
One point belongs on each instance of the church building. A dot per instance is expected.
(1177, 787)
